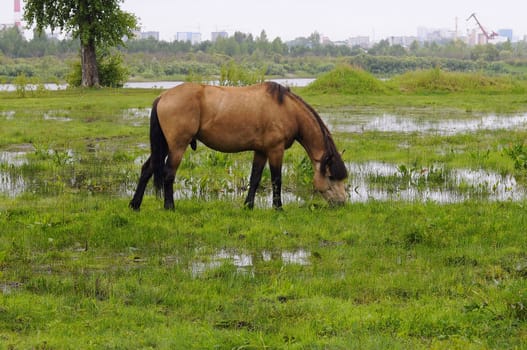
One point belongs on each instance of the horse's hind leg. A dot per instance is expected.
(146, 174)
(256, 175)
(173, 161)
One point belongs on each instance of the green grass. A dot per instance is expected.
(386, 275)
(435, 88)
(438, 81)
(78, 269)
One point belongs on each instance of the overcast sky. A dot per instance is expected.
(337, 19)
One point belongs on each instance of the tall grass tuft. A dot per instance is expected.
(439, 81)
(346, 79)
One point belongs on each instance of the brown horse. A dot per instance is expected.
(265, 118)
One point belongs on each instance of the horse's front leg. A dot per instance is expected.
(275, 164)
(146, 174)
(256, 175)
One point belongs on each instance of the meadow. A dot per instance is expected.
(79, 269)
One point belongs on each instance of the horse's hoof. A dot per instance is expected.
(134, 206)
(170, 207)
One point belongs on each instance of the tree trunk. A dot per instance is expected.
(90, 72)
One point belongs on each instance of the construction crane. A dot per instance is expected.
(490, 36)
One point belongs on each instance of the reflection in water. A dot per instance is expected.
(245, 262)
(137, 116)
(13, 158)
(442, 126)
(11, 185)
(8, 115)
(384, 181)
(56, 116)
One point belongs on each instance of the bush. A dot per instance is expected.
(233, 74)
(112, 72)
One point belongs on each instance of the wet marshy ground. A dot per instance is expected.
(442, 122)
(47, 171)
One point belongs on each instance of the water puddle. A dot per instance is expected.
(422, 123)
(298, 257)
(13, 158)
(384, 181)
(59, 116)
(8, 115)
(209, 189)
(136, 113)
(245, 263)
(10, 287)
(137, 116)
(11, 185)
(367, 181)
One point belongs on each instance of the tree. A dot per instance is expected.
(12, 42)
(96, 23)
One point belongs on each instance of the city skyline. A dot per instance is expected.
(337, 19)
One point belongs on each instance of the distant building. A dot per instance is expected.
(404, 41)
(150, 35)
(52, 35)
(5, 26)
(324, 40)
(361, 41)
(425, 34)
(193, 37)
(146, 35)
(475, 37)
(506, 33)
(215, 35)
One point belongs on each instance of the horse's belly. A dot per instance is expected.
(235, 132)
(227, 141)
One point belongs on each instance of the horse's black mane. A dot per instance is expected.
(331, 157)
(278, 91)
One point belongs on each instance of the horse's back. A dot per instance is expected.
(244, 118)
(228, 119)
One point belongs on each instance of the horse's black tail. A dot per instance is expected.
(158, 148)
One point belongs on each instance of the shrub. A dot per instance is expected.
(233, 74)
(112, 72)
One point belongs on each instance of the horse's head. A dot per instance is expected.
(330, 170)
(330, 180)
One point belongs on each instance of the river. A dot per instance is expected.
(297, 82)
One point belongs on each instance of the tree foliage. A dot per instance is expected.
(99, 20)
(96, 23)
(305, 56)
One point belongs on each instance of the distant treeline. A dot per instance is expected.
(149, 59)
